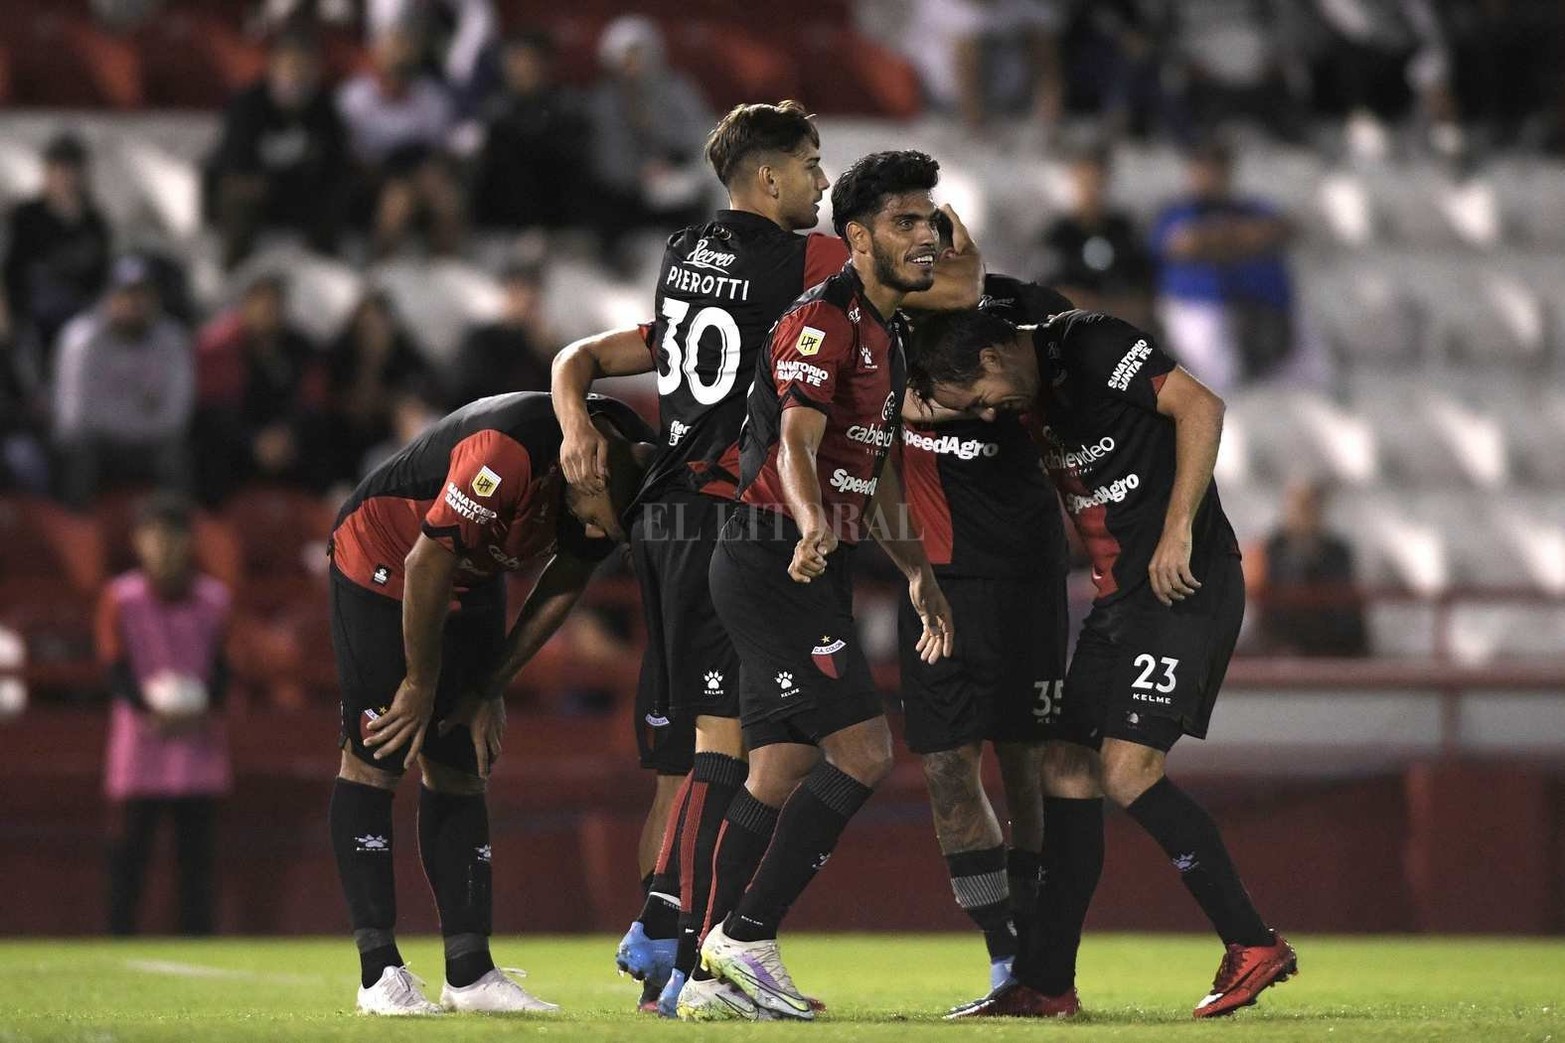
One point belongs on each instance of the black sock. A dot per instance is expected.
(808, 828)
(717, 778)
(742, 840)
(982, 890)
(453, 842)
(660, 912)
(1190, 838)
(1072, 862)
(646, 884)
(360, 823)
(1023, 870)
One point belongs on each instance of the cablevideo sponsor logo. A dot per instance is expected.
(1115, 492)
(872, 434)
(1074, 461)
(844, 482)
(950, 445)
(459, 502)
(789, 370)
(1130, 365)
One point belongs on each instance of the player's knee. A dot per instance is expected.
(953, 775)
(443, 779)
(1070, 771)
(1129, 771)
(354, 770)
(720, 735)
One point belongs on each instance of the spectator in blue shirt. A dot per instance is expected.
(1225, 297)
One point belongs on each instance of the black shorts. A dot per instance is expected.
(690, 668)
(1149, 673)
(803, 675)
(1002, 684)
(366, 634)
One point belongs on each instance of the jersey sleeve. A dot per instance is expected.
(809, 345)
(824, 256)
(645, 329)
(1115, 359)
(484, 482)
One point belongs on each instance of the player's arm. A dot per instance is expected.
(802, 430)
(584, 455)
(892, 526)
(558, 589)
(959, 274)
(1197, 414)
(429, 574)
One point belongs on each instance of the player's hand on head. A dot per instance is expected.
(809, 554)
(1169, 570)
(938, 641)
(404, 724)
(961, 238)
(584, 458)
(485, 719)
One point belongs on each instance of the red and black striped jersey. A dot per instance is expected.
(484, 483)
(976, 489)
(721, 288)
(834, 353)
(1110, 452)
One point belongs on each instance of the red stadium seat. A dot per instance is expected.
(278, 530)
(63, 60)
(39, 540)
(845, 73)
(195, 60)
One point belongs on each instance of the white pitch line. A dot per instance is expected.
(195, 970)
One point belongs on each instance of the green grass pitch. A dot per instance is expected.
(890, 988)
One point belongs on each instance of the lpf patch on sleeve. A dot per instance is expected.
(810, 340)
(485, 482)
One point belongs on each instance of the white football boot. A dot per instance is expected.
(757, 968)
(494, 993)
(396, 994)
(714, 1000)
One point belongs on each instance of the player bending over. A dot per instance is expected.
(1130, 440)
(418, 557)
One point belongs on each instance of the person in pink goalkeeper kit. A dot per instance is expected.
(161, 629)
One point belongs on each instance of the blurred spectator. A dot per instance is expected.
(399, 120)
(1505, 54)
(530, 171)
(1110, 54)
(457, 36)
(1095, 254)
(1225, 298)
(649, 126)
(124, 391)
(1232, 60)
(1384, 59)
(161, 629)
(261, 392)
(24, 458)
(280, 160)
(371, 364)
(1309, 603)
(56, 256)
(980, 58)
(513, 353)
(411, 415)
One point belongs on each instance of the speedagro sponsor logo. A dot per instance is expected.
(1114, 492)
(950, 445)
(844, 482)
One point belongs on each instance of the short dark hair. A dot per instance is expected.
(748, 129)
(66, 149)
(862, 189)
(167, 508)
(947, 346)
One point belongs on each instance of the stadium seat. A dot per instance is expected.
(281, 532)
(62, 60)
(439, 300)
(843, 73)
(40, 540)
(322, 291)
(170, 185)
(192, 59)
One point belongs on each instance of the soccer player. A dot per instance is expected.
(992, 530)
(822, 418)
(418, 557)
(722, 286)
(1130, 440)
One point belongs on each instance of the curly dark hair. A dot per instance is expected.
(947, 346)
(863, 187)
(748, 129)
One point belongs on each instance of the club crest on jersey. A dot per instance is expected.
(827, 656)
(810, 340)
(485, 482)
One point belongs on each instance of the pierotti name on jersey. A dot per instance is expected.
(473, 512)
(721, 287)
(790, 370)
(844, 482)
(950, 445)
(1114, 492)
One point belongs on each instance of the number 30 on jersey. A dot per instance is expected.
(682, 359)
